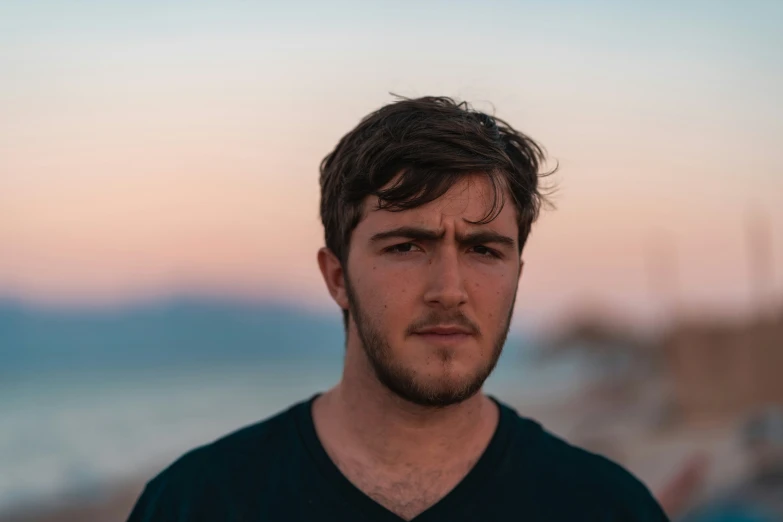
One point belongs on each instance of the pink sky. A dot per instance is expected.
(157, 152)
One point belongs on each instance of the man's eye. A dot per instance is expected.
(485, 251)
(402, 248)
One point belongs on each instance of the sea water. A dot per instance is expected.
(77, 433)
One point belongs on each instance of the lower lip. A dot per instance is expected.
(445, 339)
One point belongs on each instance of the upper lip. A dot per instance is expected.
(445, 329)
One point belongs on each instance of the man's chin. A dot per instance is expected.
(437, 392)
(440, 398)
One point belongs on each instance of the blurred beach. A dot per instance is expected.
(88, 415)
(78, 441)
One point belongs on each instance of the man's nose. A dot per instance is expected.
(445, 284)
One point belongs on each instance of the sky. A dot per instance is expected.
(151, 149)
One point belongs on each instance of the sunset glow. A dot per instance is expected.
(148, 151)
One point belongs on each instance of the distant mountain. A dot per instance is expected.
(169, 333)
(174, 333)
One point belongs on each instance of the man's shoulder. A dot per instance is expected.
(563, 470)
(250, 445)
(202, 475)
(582, 467)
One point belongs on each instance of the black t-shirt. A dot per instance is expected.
(277, 470)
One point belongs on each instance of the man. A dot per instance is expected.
(426, 206)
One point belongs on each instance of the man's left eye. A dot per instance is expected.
(484, 251)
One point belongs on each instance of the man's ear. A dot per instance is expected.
(334, 276)
(521, 266)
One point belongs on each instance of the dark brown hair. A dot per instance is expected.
(425, 145)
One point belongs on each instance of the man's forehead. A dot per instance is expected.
(463, 207)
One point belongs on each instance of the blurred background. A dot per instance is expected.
(159, 225)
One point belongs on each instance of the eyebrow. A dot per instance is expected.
(423, 234)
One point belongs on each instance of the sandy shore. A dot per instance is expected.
(112, 507)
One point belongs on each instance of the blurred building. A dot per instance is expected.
(720, 370)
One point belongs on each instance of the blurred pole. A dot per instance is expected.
(663, 278)
(760, 262)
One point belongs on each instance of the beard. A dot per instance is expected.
(403, 381)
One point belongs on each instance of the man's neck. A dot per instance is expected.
(391, 431)
(404, 456)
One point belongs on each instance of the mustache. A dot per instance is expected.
(439, 318)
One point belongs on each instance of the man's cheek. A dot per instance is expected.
(394, 315)
(496, 309)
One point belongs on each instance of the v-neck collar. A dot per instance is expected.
(450, 507)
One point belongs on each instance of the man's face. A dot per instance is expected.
(431, 295)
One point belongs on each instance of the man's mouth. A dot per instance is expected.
(445, 334)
